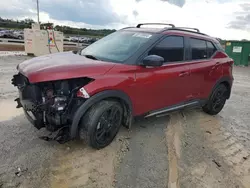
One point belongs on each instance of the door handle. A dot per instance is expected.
(182, 74)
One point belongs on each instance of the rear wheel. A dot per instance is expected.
(101, 124)
(217, 100)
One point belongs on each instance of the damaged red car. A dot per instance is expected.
(136, 71)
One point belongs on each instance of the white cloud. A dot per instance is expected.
(214, 17)
(209, 16)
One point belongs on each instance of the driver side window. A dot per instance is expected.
(171, 49)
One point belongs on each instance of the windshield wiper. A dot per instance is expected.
(91, 57)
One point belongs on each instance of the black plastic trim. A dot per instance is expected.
(32, 121)
(180, 106)
(96, 98)
(38, 124)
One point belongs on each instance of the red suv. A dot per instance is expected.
(136, 71)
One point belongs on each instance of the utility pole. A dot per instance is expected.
(37, 6)
(78, 39)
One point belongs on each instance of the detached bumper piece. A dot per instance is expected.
(29, 98)
(61, 136)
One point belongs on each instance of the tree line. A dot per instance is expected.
(26, 23)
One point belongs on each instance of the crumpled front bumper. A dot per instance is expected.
(29, 99)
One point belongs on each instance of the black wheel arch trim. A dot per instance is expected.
(221, 80)
(96, 98)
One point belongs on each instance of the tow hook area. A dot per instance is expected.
(61, 135)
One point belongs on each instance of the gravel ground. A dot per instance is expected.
(186, 149)
(146, 162)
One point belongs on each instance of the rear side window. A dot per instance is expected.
(171, 49)
(210, 49)
(198, 49)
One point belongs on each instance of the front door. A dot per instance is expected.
(160, 87)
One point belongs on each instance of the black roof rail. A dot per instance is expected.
(186, 29)
(189, 28)
(127, 28)
(139, 25)
(179, 29)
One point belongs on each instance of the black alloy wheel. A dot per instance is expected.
(107, 125)
(217, 100)
(101, 124)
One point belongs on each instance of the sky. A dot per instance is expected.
(226, 19)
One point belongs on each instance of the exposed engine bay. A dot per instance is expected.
(50, 104)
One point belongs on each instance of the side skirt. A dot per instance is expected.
(189, 104)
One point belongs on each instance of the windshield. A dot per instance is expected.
(117, 47)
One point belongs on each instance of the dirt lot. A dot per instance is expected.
(187, 149)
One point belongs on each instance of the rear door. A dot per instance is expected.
(204, 69)
(159, 87)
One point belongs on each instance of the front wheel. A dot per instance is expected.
(101, 124)
(217, 100)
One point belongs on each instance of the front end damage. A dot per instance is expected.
(51, 104)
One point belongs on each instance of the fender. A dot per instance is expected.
(96, 98)
(224, 79)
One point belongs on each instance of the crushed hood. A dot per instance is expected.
(60, 66)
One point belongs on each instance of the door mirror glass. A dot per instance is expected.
(153, 61)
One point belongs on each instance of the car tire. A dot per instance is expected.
(101, 123)
(217, 100)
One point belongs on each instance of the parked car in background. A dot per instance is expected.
(66, 39)
(18, 35)
(73, 39)
(83, 39)
(6, 34)
(91, 40)
(1, 34)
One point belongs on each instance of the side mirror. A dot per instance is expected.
(153, 61)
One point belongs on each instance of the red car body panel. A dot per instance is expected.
(205, 73)
(147, 87)
(60, 66)
(159, 87)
